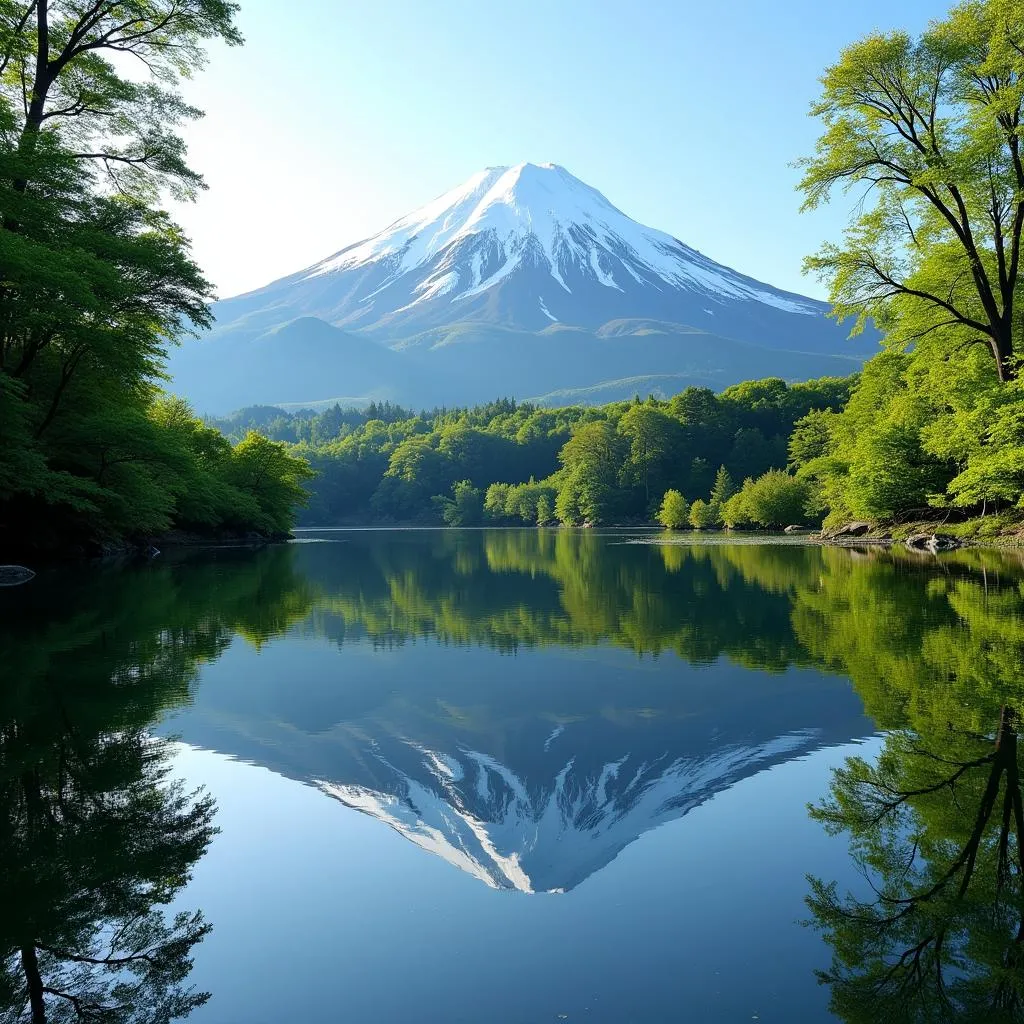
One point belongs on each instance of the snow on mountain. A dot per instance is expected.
(477, 814)
(510, 214)
(524, 247)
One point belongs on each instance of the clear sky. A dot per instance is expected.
(338, 116)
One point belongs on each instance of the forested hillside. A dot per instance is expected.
(515, 463)
(927, 131)
(97, 282)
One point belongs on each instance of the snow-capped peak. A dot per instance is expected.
(537, 216)
(527, 198)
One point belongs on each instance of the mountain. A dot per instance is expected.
(550, 832)
(522, 267)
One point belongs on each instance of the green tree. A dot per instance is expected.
(272, 476)
(545, 511)
(64, 83)
(751, 453)
(649, 432)
(775, 499)
(97, 278)
(930, 127)
(591, 457)
(702, 515)
(465, 507)
(875, 463)
(735, 512)
(811, 438)
(674, 512)
(723, 488)
(495, 500)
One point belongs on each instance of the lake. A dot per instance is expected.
(514, 776)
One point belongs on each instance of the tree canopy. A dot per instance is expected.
(598, 464)
(98, 280)
(926, 131)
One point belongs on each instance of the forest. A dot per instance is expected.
(97, 281)
(515, 463)
(926, 134)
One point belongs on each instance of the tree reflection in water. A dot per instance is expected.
(935, 931)
(96, 839)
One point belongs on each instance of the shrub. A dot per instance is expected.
(674, 511)
(776, 499)
(735, 512)
(702, 515)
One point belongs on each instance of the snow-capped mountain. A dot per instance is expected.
(528, 260)
(565, 246)
(525, 246)
(527, 780)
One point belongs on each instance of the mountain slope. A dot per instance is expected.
(293, 362)
(479, 815)
(523, 249)
(308, 361)
(527, 246)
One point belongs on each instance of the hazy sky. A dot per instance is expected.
(338, 117)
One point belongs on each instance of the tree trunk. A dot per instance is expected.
(40, 81)
(34, 980)
(1002, 349)
(37, 103)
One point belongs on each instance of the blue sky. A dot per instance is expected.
(337, 117)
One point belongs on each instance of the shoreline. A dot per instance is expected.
(657, 534)
(649, 534)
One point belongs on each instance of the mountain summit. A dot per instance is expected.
(537, 269)
(524, 246)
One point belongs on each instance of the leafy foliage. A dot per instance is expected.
(776, 499)
(97, 840)
(674, 513)
(97, 279)
(703, 515)
(935, 826)
(930, 129)
(465, 507)
(587, 464)
(917, 439)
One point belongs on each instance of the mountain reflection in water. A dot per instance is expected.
(535, 770)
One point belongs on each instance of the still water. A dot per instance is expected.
(514, 777)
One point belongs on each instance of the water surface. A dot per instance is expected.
(514, 776)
